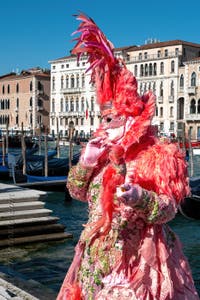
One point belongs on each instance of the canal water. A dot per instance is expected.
(45, 264)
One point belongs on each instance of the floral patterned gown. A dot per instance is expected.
(140, 257)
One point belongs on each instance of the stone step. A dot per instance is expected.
(35, 238)
(30, 230)
(28, 221)
(12, 215)
(12, 193)
(16, 206)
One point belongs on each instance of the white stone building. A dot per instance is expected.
(162, 67)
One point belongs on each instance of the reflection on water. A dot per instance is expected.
(47, 263)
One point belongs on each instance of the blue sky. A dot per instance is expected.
(34, 32)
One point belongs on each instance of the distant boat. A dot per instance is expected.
(190, 206)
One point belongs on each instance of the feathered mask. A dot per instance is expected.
(114, 83)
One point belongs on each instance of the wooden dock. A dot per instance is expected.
(24, 218)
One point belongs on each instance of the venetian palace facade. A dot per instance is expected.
(25, 101)
(170, 69)
(53, 101)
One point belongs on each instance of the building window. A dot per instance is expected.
(8, 89)
(17, 103)
(145, 55)
(198, 107)
(181, 81)
(83, 80)
(159, 53)
(172, 88)
(77, 81)
(71, 104)
(193, 106)
(67, 82)
(17, 88)
(3, 89)
(166, 52)
(161, 89)
(92, 121)
(53, 105)
(171, 126)
(140, 56)
(72, 82)
(141, 70)
(146, 70)
(82, 105)
(66, 105)
(177, 51)
(53, 83)
(31, 86)
(82, 121)
(77, 105)
(135, 70)
(31, 102)
(171, 112)
(161, 111)
(161, 126)
(154, 69)
(62, 82)
(193, 79)
(172, 66)
(61, 105)
(92, 104)
(162, 67)
(150, 70)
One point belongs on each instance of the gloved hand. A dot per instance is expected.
(130, 193)
(93, 151)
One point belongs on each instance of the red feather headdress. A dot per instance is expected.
(114, 83)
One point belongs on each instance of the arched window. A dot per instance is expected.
(61, 105)
(193, 79)
(77, 104)
(77, 81)
(67, 82)
(161, 89)
(154, 69)
(31, 86)
(62, 82)
(172, 66)
(172, 88)
(135, 70)
(83, 80)
(198, 107)
(141, 70)
(3, 89)
(150, 70)
(53, 105)
(66, 105)
(31, 102)
(72, 104)
(17, 103)
(162, 67)
(171, 111)
(161, 111)
(146, 70)
(53, 83)
(17, 88)
(31, 119)
(8, 89)
(92, 103)
(72, 81)
(193, 106)
(181, 81)
(82, 104)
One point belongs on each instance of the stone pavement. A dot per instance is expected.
(10, 292)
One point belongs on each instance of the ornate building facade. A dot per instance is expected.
(24, 101)
(171, 69)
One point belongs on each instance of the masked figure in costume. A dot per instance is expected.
(133, 184)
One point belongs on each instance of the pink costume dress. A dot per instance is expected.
(133, 184)
(140, 257)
